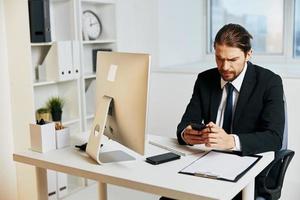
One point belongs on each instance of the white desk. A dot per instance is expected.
(160, 179)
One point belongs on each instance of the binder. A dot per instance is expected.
(62, 187)
(65, 58)
(76, 58)
(221, 165)
(39, 17)
(94, 56)
(58, 62)
(51, 185)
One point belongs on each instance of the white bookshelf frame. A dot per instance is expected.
(66, 25)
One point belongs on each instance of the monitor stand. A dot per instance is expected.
(114, 156)
(103, 118)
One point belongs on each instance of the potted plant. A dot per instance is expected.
(55, 105)
(42, 113)
(62, 133)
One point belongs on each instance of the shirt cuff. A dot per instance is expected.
(183, 137)
(237, 143)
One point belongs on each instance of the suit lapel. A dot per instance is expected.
(245, 92)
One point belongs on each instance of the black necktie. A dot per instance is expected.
(228, 109)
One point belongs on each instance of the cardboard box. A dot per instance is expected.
(42, 137)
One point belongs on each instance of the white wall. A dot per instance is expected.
(180, 29)
(18, 104)
(292, 181)
(8, 182)
(169, 94)
(137, 29)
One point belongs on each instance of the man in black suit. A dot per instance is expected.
(257, 119)
(241, 104)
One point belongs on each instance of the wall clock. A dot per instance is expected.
(91, 25)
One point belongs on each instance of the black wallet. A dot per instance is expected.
(162, 158)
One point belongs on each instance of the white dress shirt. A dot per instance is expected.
(236, 83)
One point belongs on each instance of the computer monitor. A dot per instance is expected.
(122, 81)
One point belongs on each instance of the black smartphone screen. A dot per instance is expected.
(162, 158)
(198, 127)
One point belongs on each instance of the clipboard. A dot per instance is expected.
(221, 165)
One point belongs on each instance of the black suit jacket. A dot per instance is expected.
(259, 114)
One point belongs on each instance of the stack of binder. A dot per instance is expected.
(62, 61)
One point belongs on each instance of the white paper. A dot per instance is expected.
(220, 165)
(112, 73)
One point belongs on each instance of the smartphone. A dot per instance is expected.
(198, 127)
(162, 158)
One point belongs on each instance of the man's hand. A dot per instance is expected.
(192, 136)
(217, 137)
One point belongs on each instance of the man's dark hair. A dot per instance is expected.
(234, 35)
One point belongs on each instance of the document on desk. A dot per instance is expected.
(221, 165)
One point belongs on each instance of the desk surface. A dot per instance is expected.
(158, 179)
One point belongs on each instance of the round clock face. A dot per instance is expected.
(92, 27)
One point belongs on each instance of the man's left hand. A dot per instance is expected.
(218, 138)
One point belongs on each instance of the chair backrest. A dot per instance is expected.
(270, 181)
(285, 132)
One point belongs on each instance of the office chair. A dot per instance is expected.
(266, 187)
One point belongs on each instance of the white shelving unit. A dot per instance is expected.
(79, 91)
(106, 11)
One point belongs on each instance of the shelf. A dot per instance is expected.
(69, 122)
(41, 44)
(89, 116)
(59, 1)
(99, 41)
(44, 83)
(99, 1)
(89, 76)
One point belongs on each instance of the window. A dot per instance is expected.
(297, 29)
(258, 17)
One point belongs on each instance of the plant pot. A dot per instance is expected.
(42, 137)
(56, 115)
(44, 116)
(62, 137)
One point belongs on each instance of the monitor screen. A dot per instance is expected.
(122, 83)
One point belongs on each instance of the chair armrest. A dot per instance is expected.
(276, 169)
(279, 157)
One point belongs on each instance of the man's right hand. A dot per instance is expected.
(191, 136)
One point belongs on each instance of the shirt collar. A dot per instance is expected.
(237, 83)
